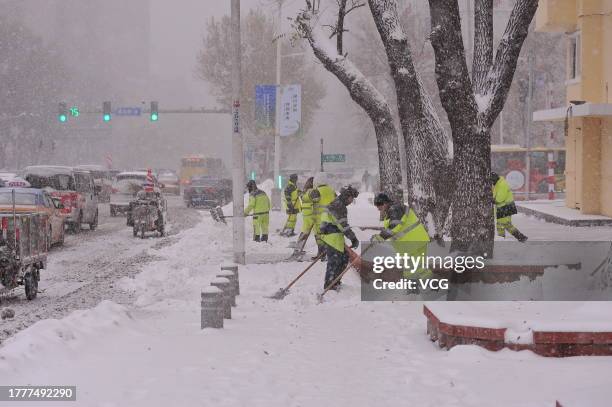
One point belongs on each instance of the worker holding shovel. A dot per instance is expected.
(259, 203)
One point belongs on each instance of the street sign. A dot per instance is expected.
(334, 158)
(128, 111)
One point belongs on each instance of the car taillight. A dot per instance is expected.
(4, 228)
(75, 199)
(114, 191)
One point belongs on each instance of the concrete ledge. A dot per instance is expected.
(551, 343)
(556, 212)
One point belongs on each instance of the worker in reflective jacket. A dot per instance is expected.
(292, 205)
(259, 204)
(402, 227)
(322, 196)
(334, 227)
(307, 208)
(504, 207)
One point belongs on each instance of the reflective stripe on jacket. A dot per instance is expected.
(259, 203)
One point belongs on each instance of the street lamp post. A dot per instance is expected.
(238, 180)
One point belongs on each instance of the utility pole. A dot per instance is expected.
(237, 143)
(277, 145)
(531, 62)
(322, 156)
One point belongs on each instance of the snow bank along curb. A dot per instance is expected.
(70, 332)
(585, 221)
(220, 297)
(544, 343)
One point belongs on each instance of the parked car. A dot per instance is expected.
(126, 186)
(28, 200)
(171, 184)
(207, 192)
(103, 180)
(10, 179)
(75, 190)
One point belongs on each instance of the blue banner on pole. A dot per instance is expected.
(265, 106)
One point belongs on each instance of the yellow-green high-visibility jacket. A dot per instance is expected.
(407, 234)
(306, 203)
(334, 225)
(401, 224)
(259, 203)
(322, 196)
(502, 193)
(291, 198)
(504, 199)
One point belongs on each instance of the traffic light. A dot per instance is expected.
(106, 111)
(74, 111)
(154, 112)
(63, 113)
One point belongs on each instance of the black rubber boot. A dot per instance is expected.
(256, 238)
(519, 236)
(264, 238)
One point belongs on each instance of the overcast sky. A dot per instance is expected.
(177, 28)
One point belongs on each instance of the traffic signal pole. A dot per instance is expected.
(238, 179)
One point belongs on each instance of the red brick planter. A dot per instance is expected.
(549, 343)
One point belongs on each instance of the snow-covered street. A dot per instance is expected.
(85, 271)
(294, 352)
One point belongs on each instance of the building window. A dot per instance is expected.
(574, 56)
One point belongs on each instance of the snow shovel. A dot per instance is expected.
(218, 216)
(282, 293)
(298, 251)
(350, 265)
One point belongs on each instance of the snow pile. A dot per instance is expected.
(64, 336)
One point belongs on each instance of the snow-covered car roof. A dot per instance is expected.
(91, 167)
(132, 173)
(48, 170)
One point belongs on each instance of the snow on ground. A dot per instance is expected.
(294, 352)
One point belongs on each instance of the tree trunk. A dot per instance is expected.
(427, 144)
(472, 202)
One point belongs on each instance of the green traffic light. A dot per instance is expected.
(154, 117)
(107, 117)
(63, 118)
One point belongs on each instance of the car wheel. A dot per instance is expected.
(112, 212)
(76, 227)
(93, 225)
(49, 238)
(31, 285)
(62, 235)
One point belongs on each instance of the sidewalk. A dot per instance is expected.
(555, 211)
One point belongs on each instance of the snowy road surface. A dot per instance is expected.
(150, 350)
(84, 271)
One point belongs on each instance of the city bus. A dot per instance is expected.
(199, 165)
(511, 162)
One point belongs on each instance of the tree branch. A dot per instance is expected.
(483, 43)
(427, 144)
(363, 92)
(500, 76)
(451, 70)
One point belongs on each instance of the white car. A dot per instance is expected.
(9, 179)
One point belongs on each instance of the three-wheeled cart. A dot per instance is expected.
(23, 251)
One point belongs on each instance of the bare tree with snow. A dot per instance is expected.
(439, 171)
